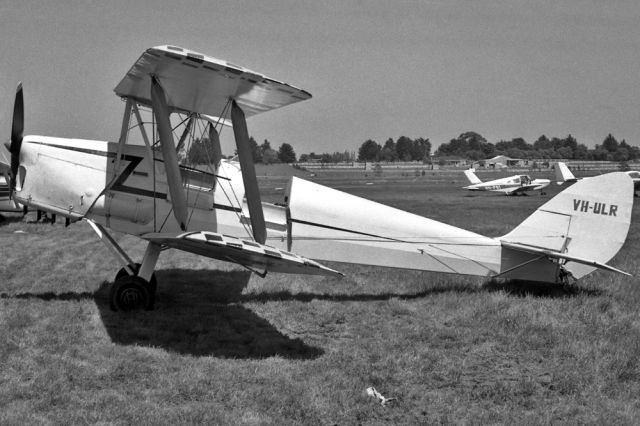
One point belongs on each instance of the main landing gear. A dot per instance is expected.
(131, 292)
(135, 284)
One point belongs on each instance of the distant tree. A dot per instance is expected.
(621, 154)
(403, 148)
(256, 152)
(582, 152)
(420, 149)
(610, 143)
(268, 154)
(565, 152)
(543, 142)
(201, 152)
(369, 151)
(600, 154)
(286, 154)
(388, 152)
(304, 158)
(467, 141)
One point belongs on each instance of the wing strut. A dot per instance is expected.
(248, 173)
(174, 179)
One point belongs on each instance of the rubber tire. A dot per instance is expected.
(152, 285)
(129, 294)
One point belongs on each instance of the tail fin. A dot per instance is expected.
(563, 174)
(469, 173)
(582, 227)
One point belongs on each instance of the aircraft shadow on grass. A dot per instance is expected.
(200, 312)
(197, 313)
(539, 289)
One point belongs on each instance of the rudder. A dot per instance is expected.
(473, 179)
(589, 220)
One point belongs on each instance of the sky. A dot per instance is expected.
(376, 69)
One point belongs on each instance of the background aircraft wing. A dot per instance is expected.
(202, 84)
(258, 257)
(519, 189)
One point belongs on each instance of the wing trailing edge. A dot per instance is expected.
(253, 255)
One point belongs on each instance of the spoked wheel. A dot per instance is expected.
(129, 293)
(153, 283)
(150, 286)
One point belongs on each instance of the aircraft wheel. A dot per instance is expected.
(152, 285)
(129, 293)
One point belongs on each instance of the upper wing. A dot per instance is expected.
(198, 83)
(243, 252)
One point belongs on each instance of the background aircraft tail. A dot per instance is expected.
(582, 227)
(563, 174)
(470, 174)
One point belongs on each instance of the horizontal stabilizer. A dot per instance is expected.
(557, 255)
(247, 253)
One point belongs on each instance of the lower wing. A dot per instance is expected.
(259, 258)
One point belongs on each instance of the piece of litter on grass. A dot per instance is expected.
(19, 232)
(371, 391)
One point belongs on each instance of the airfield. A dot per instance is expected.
(224, 346)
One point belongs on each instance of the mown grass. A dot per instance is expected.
(226, 347)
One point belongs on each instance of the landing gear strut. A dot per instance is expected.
(135, 284)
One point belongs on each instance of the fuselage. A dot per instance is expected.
(127, 192)
(78, 177)
(516, 183)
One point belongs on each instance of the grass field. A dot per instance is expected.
(227, 347)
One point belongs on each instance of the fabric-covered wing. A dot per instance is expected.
(198, 83)
(246, 253)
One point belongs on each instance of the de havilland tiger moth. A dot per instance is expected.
(143, 189)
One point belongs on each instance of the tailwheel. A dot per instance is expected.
(129, 293)
(149, 287)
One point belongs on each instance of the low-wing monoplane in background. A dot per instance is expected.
(512, 185)
(564, 174)
(149, 187)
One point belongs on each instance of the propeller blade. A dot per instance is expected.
(17, 129)
(248, 173)
(169, 155)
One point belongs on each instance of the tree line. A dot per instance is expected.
(404, 149)
(469, 145)
(202, 151)
(473, 146)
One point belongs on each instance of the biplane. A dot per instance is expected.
(512, 185)
(145, 185)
